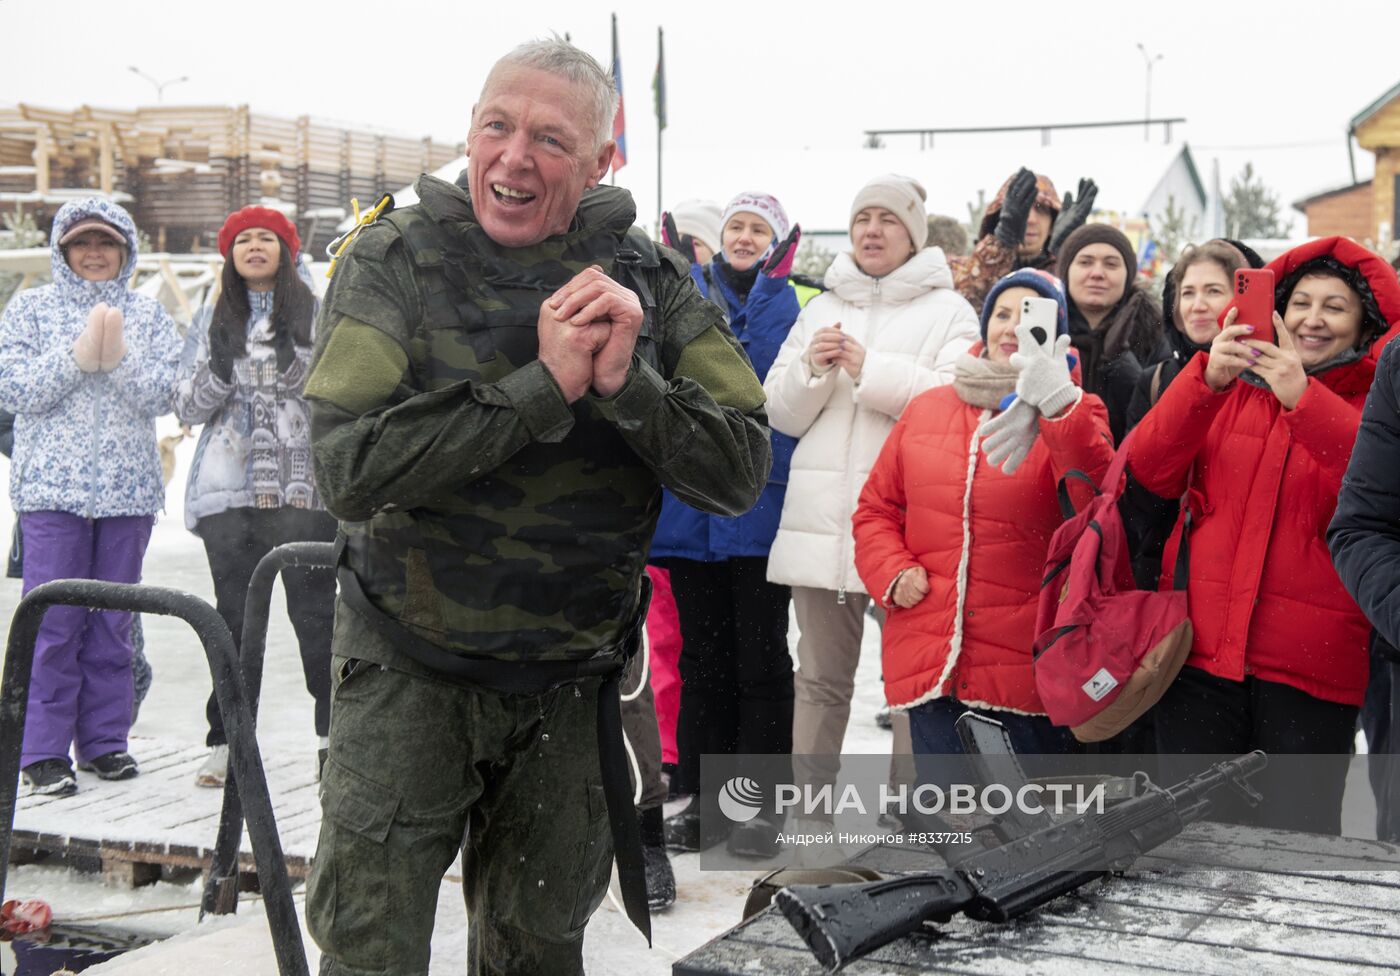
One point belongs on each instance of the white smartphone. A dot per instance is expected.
(1041, 314)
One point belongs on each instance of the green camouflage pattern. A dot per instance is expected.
(420, 769)
(480, 510)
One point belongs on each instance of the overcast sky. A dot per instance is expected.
(740, 76)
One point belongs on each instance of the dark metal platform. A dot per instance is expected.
(1167, 915)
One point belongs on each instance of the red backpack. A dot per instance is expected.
(1105, 651)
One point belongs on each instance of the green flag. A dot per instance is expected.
(658, 83)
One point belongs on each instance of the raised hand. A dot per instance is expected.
(1280, 365)
(87, 348)
(1016, 209)
(113, 339)
(1045, 382)
(779, 263)
(1229, 356)
(1009, 436)
(1073, 213)
(672, 238)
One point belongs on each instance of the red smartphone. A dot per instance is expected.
(1254, 297)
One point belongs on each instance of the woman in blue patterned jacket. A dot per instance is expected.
(251, 487)
(86, 365)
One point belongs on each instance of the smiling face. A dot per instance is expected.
(1001, 325)
(531, 154)
(1324, 317)
(881, 241)
(745, 239)
(1201, 297)
(1037, 231)
(1097, 278)
(95, 256)
(257, 252)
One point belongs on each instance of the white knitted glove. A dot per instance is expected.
(1009, 436)
(1044, 382)
(113, 341)
(87, 349)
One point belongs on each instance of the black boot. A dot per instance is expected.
(661, 882)
(756, 838)
(682, 830)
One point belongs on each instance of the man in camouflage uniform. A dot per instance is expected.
(506, 374)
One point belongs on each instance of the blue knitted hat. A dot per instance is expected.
(1041, 282)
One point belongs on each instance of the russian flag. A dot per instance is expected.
(619, 132)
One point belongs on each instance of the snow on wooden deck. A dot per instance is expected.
(161, 816)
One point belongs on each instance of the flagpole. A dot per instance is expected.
(659, 85)
(613, 172)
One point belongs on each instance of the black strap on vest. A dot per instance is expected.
(535, 677)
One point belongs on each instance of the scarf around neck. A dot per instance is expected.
(982, 383)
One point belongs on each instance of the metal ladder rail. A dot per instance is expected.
(233, 702)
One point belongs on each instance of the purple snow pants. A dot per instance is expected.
(81, 689)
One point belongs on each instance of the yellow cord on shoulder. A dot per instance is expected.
(337, 247)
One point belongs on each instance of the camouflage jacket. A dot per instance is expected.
(481, 510)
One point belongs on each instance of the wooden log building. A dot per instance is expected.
(1367, 211)
(182, 169)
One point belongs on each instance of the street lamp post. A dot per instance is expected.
(160, 86)
(1149, 60)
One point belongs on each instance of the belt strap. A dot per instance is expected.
(535, 677)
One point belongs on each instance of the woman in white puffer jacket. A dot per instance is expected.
(889, 327)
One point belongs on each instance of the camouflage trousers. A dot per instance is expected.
(420, 768)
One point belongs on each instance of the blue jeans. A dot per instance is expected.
(932, 727)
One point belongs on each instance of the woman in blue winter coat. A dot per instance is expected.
(736, 671)
(251, 486)
(86, 365)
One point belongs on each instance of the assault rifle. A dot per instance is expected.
(842, 922)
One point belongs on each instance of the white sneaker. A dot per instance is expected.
(215, 769)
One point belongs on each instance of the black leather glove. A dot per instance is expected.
(674, 239)
(285, 348)
(1016, 209)
(1073, 213)
(221, 353)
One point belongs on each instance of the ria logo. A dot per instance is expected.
(740, 799)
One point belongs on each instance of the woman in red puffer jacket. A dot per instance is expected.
(955, 548)
(1257, 437)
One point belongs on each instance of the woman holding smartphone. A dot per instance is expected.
(1198, 288)
(955, 519)
(1257, 437)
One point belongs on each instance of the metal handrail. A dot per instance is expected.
(233, 702)
(221, 885)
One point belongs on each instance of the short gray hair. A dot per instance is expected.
(558, 57)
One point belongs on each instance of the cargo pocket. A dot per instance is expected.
(594, 861)
(347, 903)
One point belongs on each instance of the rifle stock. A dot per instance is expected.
(845, 921)
(842, 922)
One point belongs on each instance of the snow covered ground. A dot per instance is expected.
(708, 902)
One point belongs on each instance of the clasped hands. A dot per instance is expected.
(102, 344)
(587, 331)
(831, 347)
